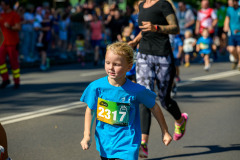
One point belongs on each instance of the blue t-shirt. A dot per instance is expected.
(118, 141)
(177, 42)
(234, 15)
(205, 45)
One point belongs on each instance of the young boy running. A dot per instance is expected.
(115, 100)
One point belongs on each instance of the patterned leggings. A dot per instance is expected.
(150, 68)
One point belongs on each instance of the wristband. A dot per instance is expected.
(157, 27)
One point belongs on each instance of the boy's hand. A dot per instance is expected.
(167, 138)
(133, 43)
(86, 143)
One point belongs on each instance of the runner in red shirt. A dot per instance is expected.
(10, 25)
(206, 18)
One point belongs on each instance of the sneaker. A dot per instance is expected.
(187, 65)
(43, 68)
(1, 152)
(16, 86)
(5, 84)
(180, 128)
(178, 79)
(206, 68)
(234, 65)
(143, 150)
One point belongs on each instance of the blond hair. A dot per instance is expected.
(122, 49)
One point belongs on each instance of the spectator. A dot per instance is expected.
(96, 29)
(185, 18)
(46, 30)
(27, 42)
(77, 26)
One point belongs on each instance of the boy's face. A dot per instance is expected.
(205, 33)
(116, 66)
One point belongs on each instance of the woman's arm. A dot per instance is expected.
(89, 119)
(171, 28)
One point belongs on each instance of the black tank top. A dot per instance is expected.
(155, 43)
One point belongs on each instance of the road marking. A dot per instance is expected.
(100, 72)
(74, 105)
(40, 113)
(210, 77)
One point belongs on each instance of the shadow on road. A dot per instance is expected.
(212, 149)
(45, 95)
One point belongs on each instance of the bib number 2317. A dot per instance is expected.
(112, 112)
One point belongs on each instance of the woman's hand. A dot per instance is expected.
(147, 27)
(86, 142)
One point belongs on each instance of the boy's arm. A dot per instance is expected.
(180, 51)
(89, 119)
(157, 112)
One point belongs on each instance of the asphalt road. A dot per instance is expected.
(44, 118)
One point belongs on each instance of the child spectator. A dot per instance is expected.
(204, 47)
(115, 100)
(188, 47)
(80, 43)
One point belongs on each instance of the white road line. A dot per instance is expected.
(210, 77)
(40, 113)
(100, 72)
(74, 105)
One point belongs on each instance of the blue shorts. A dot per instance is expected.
(96, 43)
(188, 53)
(177, 62)
(234, 40)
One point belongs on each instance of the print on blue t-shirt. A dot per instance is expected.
(205, 45)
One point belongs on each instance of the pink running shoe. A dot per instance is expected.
(143, 150)
(180, 128)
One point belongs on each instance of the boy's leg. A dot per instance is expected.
(3, 141)
(238, 53)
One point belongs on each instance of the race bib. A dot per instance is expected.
(112, 112)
